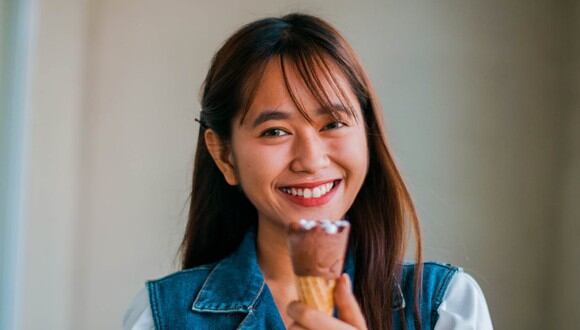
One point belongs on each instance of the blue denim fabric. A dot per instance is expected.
(232, 294)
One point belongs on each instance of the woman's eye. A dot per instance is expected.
(334, 125)
(273, 132)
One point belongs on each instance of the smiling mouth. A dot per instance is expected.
(314, 192)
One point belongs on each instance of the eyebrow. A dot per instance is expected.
(281, 115)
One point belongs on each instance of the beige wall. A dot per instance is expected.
(566, 260)
(475, 112)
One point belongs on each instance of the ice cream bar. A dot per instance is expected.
(317, 249)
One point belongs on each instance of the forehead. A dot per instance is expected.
(284, 85)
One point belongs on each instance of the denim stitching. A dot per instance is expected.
(251, 308)
(154, 305)
(441, 289)
(202, 287)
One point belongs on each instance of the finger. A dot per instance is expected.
(348, 308)
(311, 318)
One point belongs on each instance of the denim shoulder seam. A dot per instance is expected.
(153, 301)
(442, 289)
(412, 264)
(440, 264)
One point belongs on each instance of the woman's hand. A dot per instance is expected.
(349, 312)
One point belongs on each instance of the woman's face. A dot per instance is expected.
(290, 168)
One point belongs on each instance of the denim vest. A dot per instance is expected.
(232, 294)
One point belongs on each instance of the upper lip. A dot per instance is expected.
(309, 184)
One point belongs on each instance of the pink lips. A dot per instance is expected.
(313, 201)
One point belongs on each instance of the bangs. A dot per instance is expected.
(316, 71)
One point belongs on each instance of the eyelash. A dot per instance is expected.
(265, 133)
(337, 122)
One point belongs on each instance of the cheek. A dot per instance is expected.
(353, 154)
(259, 165)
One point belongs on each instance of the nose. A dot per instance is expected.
(310, 153)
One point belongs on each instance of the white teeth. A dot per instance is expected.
(310, 193)
(316, 192)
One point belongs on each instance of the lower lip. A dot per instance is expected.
(313, 201)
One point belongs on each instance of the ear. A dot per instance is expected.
(222, 156)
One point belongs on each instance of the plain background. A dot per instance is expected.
(481, 105)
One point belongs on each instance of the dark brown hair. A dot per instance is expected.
(383, 211)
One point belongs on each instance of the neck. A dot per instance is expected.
(273, 254)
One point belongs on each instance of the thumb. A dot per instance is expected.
(348, 309)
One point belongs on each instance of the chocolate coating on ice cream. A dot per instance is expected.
(318, 248)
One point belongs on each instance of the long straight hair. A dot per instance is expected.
(382, 213)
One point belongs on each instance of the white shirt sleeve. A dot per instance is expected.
(464, 306)
(138, 316)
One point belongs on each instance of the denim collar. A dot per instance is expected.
(236, 283)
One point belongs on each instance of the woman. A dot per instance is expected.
(287, 109)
